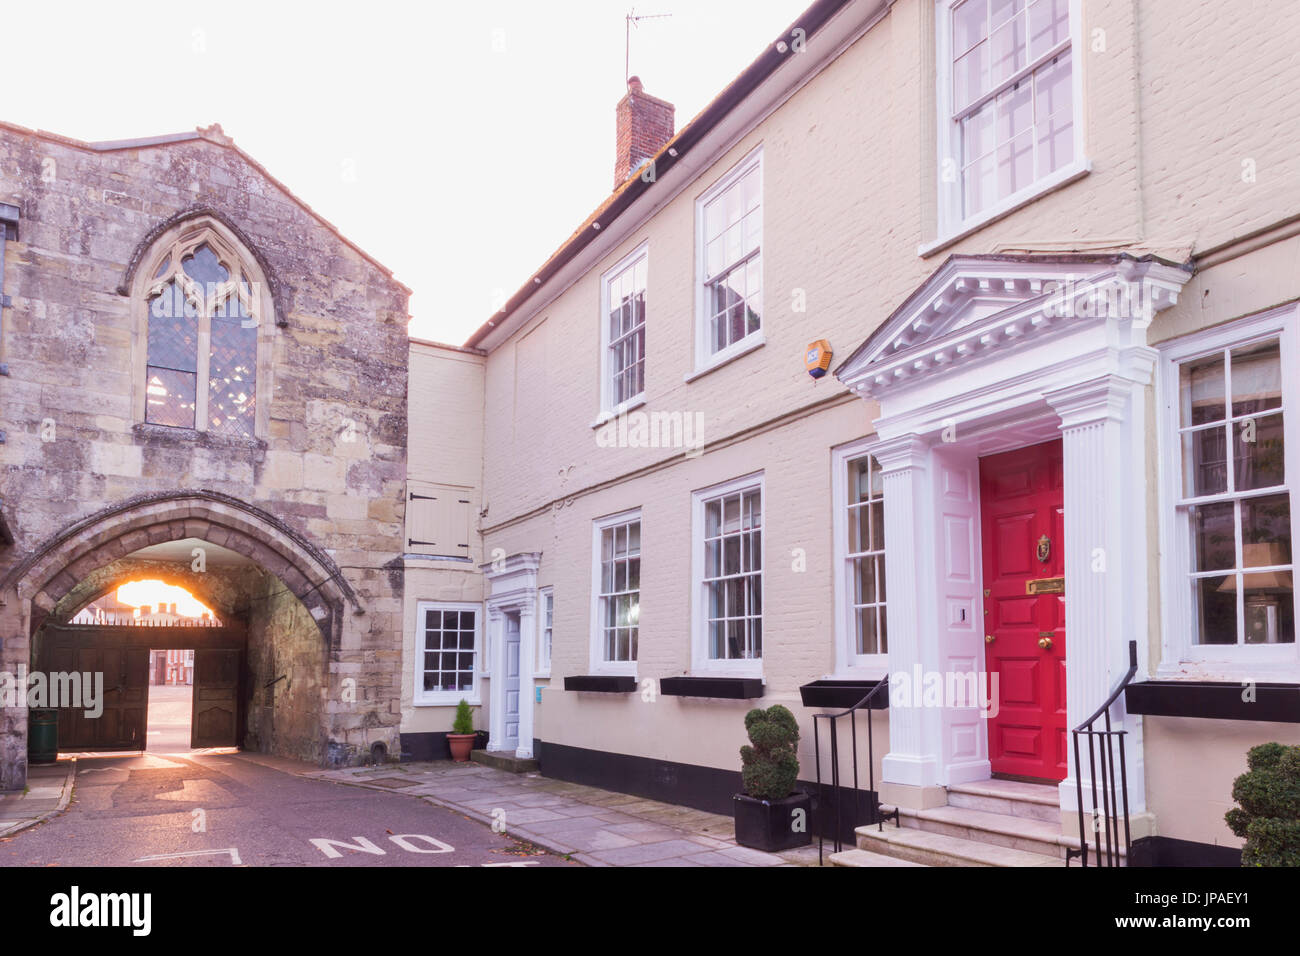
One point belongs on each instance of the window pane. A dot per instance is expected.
(864, 581)
(867, 642)
(859, 529)
(970, 76)
(1259, 460)
(878, 526)
(735, 639)
(1213, 537)
(979, 133)
(1008, 43)
(1054, 115)
(731, 514)
(1256, 379)
(232, 377)
(1201, 391)
(979, 183)
(731, 555)
(169, 397)
(1270, 608)
(1266, 531)
(1205, 470)
(1049, 24)
(203, 267)
(969, 25)
(1216, 608)
(1015, 140)
(173, 331)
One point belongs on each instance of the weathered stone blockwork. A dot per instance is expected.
(335, 393)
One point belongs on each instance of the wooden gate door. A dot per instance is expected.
(125, 669)
(216, 715)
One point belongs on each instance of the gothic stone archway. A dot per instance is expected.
(31, 591)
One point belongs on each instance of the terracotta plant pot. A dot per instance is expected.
(461, 745)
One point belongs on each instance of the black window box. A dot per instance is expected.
(842, 693)
(1214, 699)
(733, 688)
(601, 683)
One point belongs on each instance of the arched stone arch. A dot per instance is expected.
(220, 588)
(56, 567)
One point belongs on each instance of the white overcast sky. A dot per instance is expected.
(457, 143)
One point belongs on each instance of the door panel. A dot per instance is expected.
(215, 718)
(121, 726)
(1022, 511)
(511, 678)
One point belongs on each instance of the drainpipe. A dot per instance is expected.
(8, 230)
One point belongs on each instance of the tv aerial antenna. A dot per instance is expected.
(633, 18)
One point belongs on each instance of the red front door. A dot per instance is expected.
(1022, 515)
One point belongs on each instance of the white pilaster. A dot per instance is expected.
(527, 666)
(914, 754)
(496, 621)
(1105, 559)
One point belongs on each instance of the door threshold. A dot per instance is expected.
(1017, 778)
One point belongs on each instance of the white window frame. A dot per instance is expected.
(952, 224)
(1181, 656)
(704, 359)
(848, 662)
(701, 663)
(597, 644)
(608, 408)
(545, 599)
(442, 698)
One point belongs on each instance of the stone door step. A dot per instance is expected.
(504, 760)
(995, 829)
(938, 849)
(867, 858)
(1035, 801)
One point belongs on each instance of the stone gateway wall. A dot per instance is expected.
(314, 497)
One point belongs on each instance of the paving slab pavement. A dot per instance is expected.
(593, 826)
(49, 789)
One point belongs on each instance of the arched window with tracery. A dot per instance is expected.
(204, 338)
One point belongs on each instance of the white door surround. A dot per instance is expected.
(512, 587)
(994, 353)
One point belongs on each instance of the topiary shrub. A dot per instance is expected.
(1268, 811)
(770, 760)
(464, 722)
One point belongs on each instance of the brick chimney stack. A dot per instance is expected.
(644, 125)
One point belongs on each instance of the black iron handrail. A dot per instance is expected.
(851, 713)
(1111, 797)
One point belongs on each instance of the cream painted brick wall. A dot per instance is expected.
(1181, 92)
(444, 446)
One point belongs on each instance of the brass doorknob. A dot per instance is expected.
(1045, 643)
(989, 638)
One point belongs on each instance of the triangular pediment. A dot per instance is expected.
(973, 306)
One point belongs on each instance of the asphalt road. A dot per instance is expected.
(197, 809)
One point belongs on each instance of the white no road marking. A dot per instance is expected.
(362, 845)
(233, 851)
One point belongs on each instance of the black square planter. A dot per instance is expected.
(769, 824)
